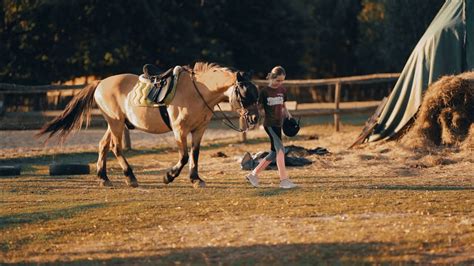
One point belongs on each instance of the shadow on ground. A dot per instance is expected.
(77, 157)
(35, 217)
(416, 187)
(281, 254)
(91, 157)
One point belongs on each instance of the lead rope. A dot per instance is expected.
(228, 122)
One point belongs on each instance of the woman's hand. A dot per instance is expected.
(287, 113)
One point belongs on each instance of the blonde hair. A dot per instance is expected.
(276, 71)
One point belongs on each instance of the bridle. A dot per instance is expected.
(244, 113)
(237, 98)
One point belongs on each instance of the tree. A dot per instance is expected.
(258, 34)
(330, 36)
(43, 41)
(390, 30)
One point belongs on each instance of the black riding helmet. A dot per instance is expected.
(291, 127)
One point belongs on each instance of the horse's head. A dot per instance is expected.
(236, 85)
(244, 99)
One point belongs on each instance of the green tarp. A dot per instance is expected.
(447, 47)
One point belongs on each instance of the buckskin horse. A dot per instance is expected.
(198, 90)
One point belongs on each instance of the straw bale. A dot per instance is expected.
(446, 113)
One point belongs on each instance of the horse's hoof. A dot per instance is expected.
(132, 183)
(105, 183)
(199, 184)
(168, 178)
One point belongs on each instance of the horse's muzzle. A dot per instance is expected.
(253, 119)
(253, 114)
(248, 117)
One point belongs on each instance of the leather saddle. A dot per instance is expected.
(163, 83)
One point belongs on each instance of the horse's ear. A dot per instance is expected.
(239, 76)
(242, 76)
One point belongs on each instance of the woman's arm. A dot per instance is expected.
(286, 113)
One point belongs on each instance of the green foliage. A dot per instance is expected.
(43, 41)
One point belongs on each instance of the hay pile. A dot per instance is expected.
(446, 114)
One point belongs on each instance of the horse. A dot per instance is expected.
(198, 90)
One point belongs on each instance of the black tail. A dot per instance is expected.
(73, 115)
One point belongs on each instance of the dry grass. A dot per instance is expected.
(380, 203)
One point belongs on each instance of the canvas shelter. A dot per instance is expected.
(446, 48)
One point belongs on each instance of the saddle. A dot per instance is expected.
(154, 89)
(163, 84)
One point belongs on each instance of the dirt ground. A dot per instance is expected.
(378, 203)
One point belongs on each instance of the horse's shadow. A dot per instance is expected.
(76, 157)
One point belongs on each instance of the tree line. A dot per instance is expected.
(44, 41)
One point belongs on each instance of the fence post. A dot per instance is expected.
(2, 104)
(243, 136)
(126, 142)
(337, 98)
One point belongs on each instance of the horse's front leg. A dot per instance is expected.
(193, 165)
(183, 158)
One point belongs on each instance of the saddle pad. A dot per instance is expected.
(138, 95)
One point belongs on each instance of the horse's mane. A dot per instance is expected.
(204, 67)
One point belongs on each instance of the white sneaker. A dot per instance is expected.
(253, 179)
(286, 184)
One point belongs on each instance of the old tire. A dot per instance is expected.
(69, 169)
(10, 170)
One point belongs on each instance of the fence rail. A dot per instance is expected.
(363, 79)
(22, 89)
(6, 89)
(338, 82)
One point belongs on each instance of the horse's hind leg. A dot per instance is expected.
(104, 145)
(117, 129)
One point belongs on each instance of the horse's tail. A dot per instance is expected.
(73, 115)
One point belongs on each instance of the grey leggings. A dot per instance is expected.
(275, 138)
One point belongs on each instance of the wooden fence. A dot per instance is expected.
(337, 82)
(62, 90)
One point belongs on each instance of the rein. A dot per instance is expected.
(228, 122)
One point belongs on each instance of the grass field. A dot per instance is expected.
(376, 204)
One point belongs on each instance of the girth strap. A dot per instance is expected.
(165, 116)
